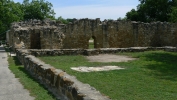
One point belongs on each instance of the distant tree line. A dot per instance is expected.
(154, 10)
(64, 21)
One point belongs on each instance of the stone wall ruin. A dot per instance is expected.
(36, 34)
(48, 34)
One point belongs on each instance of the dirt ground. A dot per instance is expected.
(103, 58)
(109, 58)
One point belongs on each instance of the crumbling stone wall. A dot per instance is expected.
(157, 34)
(47, 34)
(36, 34)
(119, 34)
(78, 33)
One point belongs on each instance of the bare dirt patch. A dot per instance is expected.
(109, 58)
(103, 58)
(95, 69)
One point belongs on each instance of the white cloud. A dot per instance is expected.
(93, 11)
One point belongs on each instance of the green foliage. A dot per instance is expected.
(173, 15)
(151, 77)
(125, 18)
(37, 9)
(10, 12)
(64, 21)
(153, 10)
(91, 45)
(133, 15)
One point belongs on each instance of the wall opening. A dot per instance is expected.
(92, 43)
(35, 41)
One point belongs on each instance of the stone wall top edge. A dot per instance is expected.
(49, 22)
(40, 50)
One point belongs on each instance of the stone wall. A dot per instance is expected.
(119, 34)
(88, 52)
(47, 34)
(36, 34)
(62, 85)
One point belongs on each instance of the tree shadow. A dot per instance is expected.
(28, 75)
(16, 61)
(164, 65)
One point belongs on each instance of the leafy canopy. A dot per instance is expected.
(154, 10)
(37, 9)
(13, 12)
(10, 12)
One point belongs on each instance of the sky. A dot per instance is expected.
(103, 9)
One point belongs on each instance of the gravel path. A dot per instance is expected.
(10, 87)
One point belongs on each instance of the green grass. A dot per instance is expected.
(91, 45)
(36, 90)
(152, 77)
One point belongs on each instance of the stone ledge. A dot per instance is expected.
(88, 52)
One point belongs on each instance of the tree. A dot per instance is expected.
(125, 18)
(64, 21)
(173, 15)
(133, 14)
(10, 12)
(152, 10)
(38, 9)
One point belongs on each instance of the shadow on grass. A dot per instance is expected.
(16, 61)
(165, 65)
(29, 76)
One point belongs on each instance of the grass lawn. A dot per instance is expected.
(36, 90)
(152, 77)
(91, 45)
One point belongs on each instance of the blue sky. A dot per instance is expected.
(104, 9)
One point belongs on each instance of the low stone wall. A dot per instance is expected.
(62, 85)
(88, 52)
